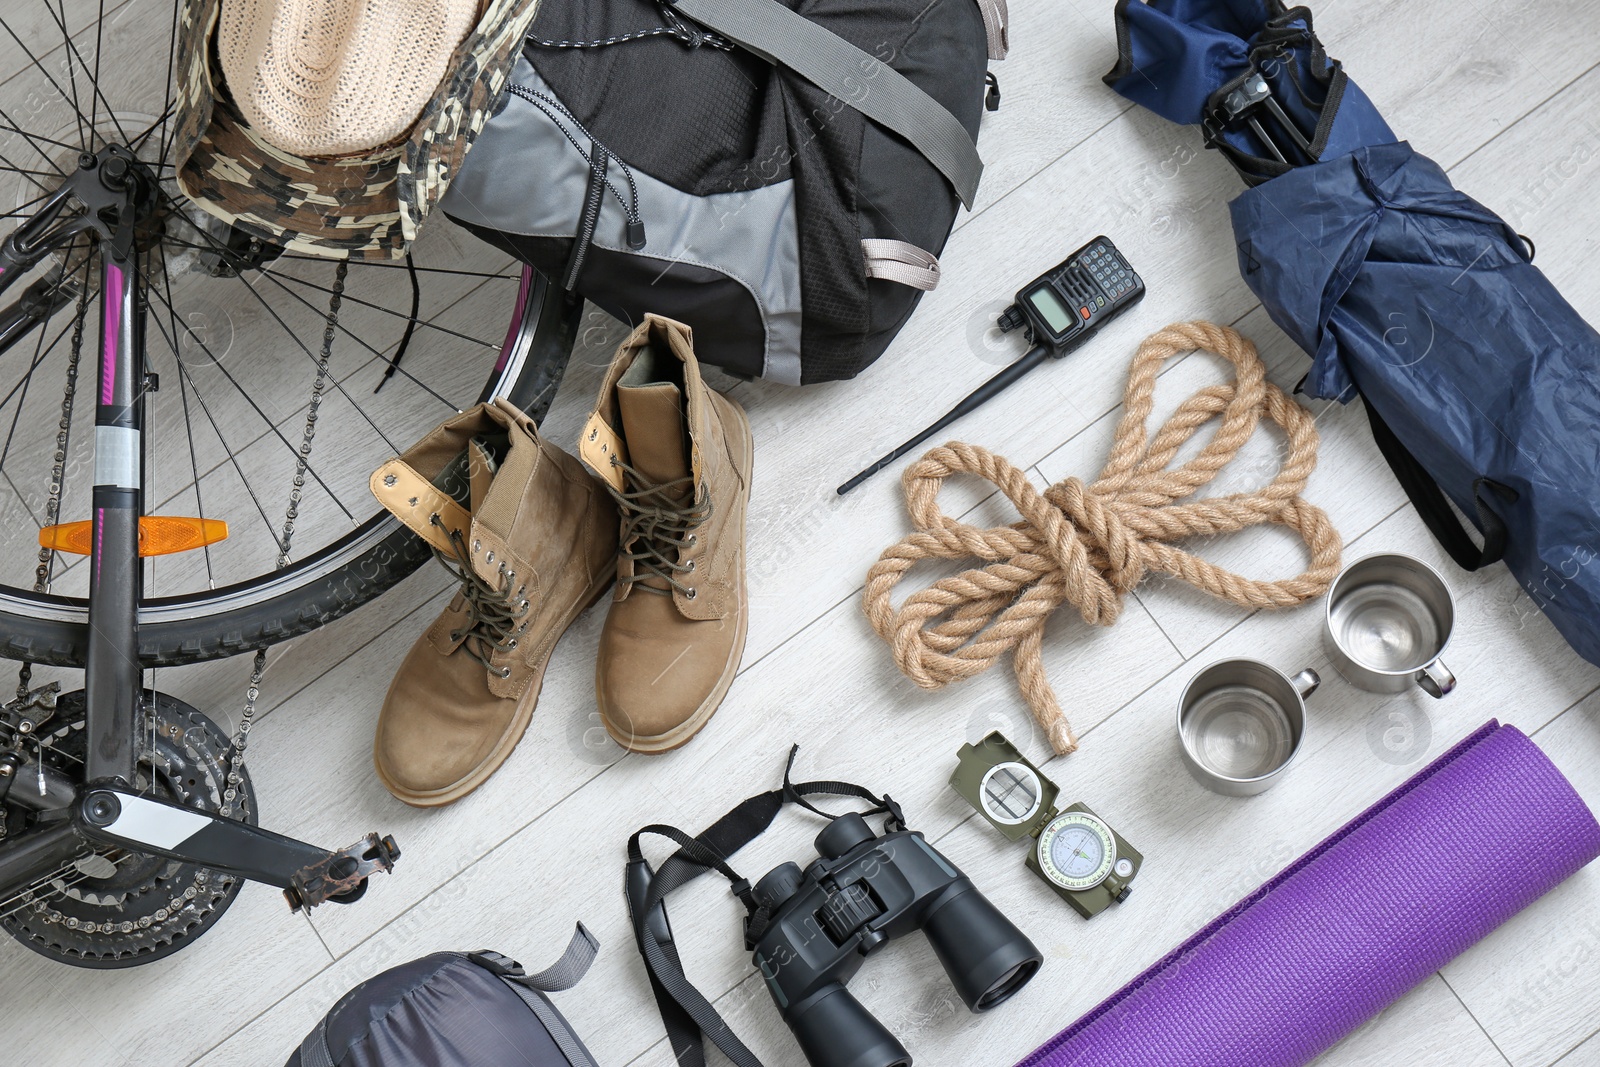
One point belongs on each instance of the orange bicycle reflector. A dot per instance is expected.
(159, 535)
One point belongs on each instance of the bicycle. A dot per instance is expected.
(127, 817)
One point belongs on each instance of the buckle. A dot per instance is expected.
(496, 964)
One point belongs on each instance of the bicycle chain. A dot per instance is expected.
(301, 465)
(52, 508)
(174, 905)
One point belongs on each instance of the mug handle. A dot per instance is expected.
(1436, 679)
(1307, 681)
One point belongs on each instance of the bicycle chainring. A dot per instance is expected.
(114, 908)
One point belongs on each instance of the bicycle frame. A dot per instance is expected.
(104, 807)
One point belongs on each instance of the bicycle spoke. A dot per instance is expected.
(337, 383)
(144, 135)
(99, 37)
(94, 85)
(39, 355)
(54, 84)
(172, 48)
(23, 384)
(6, 166)
(255, 407)
(183, 371)
(34, 137)
(72, 75)
(48, 191)
(36, 891)
(424, 386)
(194, 460)
(41, 198)
(368, 264)
(396, 314)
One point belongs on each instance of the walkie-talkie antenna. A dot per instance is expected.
(991, 388)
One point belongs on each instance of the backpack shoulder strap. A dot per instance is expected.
(860, 79)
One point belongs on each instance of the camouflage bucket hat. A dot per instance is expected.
(368, 204)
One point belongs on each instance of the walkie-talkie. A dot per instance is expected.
(1057, 311)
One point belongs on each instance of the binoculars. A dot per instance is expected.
(862, 892)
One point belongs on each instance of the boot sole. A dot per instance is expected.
(438, 798)
(681, 734)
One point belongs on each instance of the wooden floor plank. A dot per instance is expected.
(540, 846)
(1585, 1055)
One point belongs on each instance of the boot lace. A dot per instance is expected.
(497, 614)
(656, 528)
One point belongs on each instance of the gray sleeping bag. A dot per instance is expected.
(454, 1009)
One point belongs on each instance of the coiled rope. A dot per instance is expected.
(1089, 545)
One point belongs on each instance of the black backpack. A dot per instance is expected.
(778, 174)
(454, 1009)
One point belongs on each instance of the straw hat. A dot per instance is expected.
(333, 126)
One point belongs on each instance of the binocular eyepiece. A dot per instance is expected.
(864, 891)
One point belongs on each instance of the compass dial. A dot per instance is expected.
(1077, 851)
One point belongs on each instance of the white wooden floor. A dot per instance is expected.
(1506, 96)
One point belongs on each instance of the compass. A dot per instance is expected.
(1076, 852)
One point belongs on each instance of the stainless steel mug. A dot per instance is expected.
(1389, 618)
(1241, 723)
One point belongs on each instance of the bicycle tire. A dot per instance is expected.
(53, 630)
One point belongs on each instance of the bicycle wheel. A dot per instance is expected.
(256, 357)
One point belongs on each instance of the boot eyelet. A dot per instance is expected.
(692, 540)
(690, 595)
(690, 568)
(477, 546)
(512, 645)
(504, 672)
(489, 556)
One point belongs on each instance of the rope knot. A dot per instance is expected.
(1091, 544)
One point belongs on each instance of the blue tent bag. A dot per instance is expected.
(1482, 383)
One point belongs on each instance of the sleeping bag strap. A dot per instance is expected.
(1434, 507)
(860, 79)
(688, 1016)
(563, 974)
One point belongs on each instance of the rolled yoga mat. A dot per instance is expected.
(1419, 877)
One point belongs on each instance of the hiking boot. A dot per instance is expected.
(532, 538)
(676, 457)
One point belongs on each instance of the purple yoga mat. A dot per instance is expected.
(1343, 932)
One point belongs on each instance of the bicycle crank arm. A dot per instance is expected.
(308, 875)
